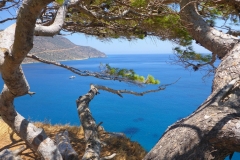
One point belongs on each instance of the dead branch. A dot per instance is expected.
(115, 134)
(109, 157)
(118, 92)
(93, 146)
(65, 147)
(7, 154)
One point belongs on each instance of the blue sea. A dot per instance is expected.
(143, 119)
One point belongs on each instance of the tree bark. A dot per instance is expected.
(16, 42)
(91, 129)
(65, 147)
(210, 38)
(56, 27)
(7, 154)
(213, 130)
(93, 146)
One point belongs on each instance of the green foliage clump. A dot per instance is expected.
(130, 74)
(189, 54)
(151, 80)
(171, 28)
(162, 21)
(138, 3)
(141, 36)
(212, 12)
(60, 2)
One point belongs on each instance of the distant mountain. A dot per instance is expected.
(58, 48)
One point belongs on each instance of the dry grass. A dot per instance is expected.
(123, 147)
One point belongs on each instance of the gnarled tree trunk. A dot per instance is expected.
(16, 42)
(213, 130)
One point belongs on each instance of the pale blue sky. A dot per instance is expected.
(120, 46)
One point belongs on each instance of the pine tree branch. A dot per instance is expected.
(56, 26)
(7, 19)
(79, 72)
(14, 4)
(186, 63)
(210, 38)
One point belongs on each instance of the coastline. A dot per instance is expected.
(76, 59)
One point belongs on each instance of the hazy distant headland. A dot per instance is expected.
(58, 48)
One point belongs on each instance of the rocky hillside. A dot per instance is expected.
(122, 146)
(59, 48)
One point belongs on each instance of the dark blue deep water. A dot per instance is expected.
(143, 119)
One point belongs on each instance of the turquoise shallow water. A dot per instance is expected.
(143, 119)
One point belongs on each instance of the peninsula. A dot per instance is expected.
(59, 48)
